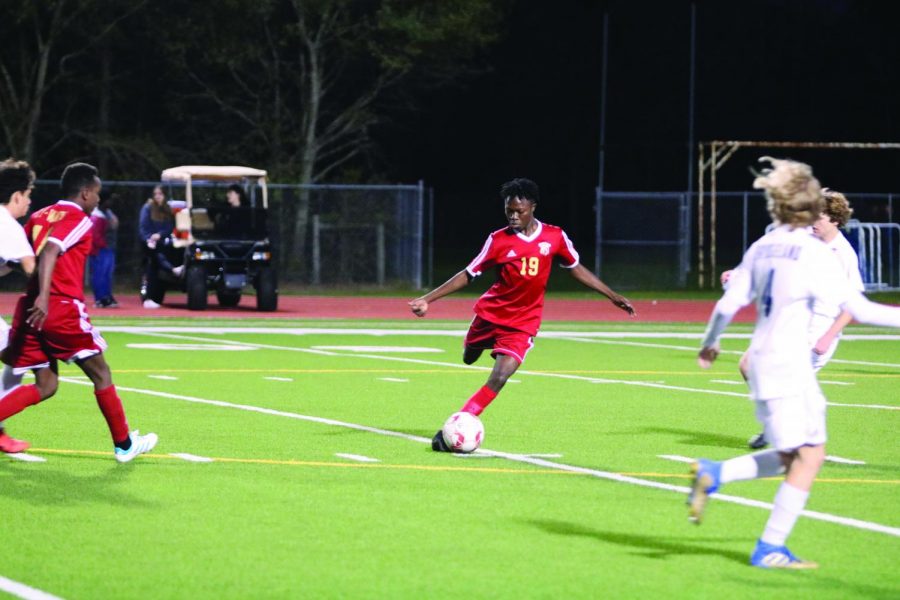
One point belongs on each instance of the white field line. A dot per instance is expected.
(278, 378)
(163, 377)
(357, 457)
(823, 382)
(676, 458)
(834, 459)
(434, 363)
(394, 379)
(728, 381)
(20, 590)
(191, 457)
(27, 457)
(538, 462)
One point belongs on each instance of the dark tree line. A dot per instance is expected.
(294, 86)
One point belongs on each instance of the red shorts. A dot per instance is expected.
(484, 335)
(67, 334)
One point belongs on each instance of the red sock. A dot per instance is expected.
(479, 401)
(18, 400)
(111, 406)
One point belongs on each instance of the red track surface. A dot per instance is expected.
(349, 307)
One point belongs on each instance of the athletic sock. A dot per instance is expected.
(111, 406)
(18, 399)
(750, 466)
(479, 401)
(789, 503)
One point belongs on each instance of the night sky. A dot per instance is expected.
(814, 70)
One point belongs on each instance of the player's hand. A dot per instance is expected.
(37, 314)
(708, 356)
(419, 307)
(623, 303)
(823, 344)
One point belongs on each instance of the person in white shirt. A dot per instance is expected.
(828, 321)
(16, 183)
(784, 272)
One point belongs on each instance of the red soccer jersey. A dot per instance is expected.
(523, 265)
(65, 225)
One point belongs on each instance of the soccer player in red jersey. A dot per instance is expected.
(508, 315)
(50, 322)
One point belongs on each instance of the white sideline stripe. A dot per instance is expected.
(433, 363)
(455, 332)
(845, 461)
(676, 458)
(728, 381)
(163, 377)
(189, 347)
(538, 462)
(20, 590)
(357, 457)
(26, 457)
(822, 381)
(278, 378)
(191, 457)
(399, 349)
(394, 379)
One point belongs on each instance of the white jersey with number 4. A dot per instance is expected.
(785, 272)
(13, 247)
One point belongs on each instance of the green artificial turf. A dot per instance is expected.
(278, 514)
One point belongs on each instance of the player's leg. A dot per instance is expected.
(128, 444)
(8, 381)
(470, 354)
(758, 441)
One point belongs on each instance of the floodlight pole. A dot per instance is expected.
(598, 217)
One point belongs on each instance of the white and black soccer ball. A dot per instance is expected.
(463, 432)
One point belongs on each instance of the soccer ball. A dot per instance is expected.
(463, 432)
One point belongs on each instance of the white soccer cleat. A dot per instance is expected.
(139, 445)
(148, 303)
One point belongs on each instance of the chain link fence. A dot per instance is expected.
(322, 235)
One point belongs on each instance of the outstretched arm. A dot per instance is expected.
(588, 279)
(419, 306)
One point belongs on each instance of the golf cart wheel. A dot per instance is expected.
(266, 290)
(195, 284)
(228, 298)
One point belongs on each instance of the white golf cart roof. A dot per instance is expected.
(188, 172)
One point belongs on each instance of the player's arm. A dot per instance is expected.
(46, 263)
(824, 342)
(588, 279)
(419, 306)
(736, 297)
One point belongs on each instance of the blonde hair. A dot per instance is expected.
(836, 207)
(793, 193)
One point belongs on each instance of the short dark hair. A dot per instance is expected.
(520, 188)
(15, 176)
(77, 176)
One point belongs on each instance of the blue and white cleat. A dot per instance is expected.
(706, 481)
(139, 445)
(767, 556)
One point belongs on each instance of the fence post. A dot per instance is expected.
(316, 256)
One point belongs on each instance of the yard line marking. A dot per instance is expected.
(845, 461)
(191, 347)
(676, 458)
(400, 349)
(538, 462)
(357, 457)
(278, 378)
(432, 363)
(836, 382)
(191, 457)
(163, 377)
(728, 381)
(394, 379)
(26, 457)
(20, 590)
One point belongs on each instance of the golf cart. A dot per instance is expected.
(222, 247)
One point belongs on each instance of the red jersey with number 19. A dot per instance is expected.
(523, 265)
(67, 226)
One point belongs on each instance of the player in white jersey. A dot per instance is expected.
(828, 321)
(784, 272)
(16, 183)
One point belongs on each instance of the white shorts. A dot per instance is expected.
(4, 334)
(793, 421)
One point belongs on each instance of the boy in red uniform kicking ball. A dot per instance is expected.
(508, 315)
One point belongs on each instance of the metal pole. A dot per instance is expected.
(744, 240)
(690, 144)
(701, 158)
(712, 215)
(602, 154)
(430, 237)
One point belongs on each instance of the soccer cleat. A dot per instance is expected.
(758, 441)
(438, 444)
(139, 445)
(148, 303)
(706, 481)
(767, 556)
(12, 445)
